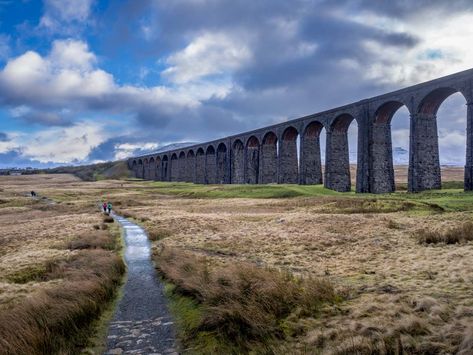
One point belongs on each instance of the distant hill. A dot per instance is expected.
(94, 172)
(108, 170)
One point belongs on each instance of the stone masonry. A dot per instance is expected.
(270, 154)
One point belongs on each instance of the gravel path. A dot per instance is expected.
(141, 324)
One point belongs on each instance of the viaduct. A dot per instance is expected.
(270, 154)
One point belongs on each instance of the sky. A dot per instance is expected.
(85, 81)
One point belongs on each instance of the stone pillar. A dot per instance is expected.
(222, 167)
(252, 165)
(269, 163)
(200, 168)
(311, 164)
(469, 148)
(174, 170)
(238, 164)
(190, 168)
(424, 162)
(382, 172)
(210, 168)
(288, 164)
(337, 163)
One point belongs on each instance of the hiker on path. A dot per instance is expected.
(104, 206)
(33, 194)
(109, 207)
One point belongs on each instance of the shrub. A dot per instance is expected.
(56, 320)
(158, 234)
(460, 234)
(108, 219)
(243, 305)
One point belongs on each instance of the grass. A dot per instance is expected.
(57, 320)
(240, 308)
(455, 235)
(59, 271)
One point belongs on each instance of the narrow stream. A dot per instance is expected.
(141, 323)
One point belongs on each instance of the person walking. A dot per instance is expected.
(104, 206)
(109, 207)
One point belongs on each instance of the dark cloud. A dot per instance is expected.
(3, 137)
(47, 118)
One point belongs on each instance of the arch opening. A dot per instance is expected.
(431, 139)
(390, 147)
(174, 167)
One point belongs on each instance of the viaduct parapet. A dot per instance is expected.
(270, 154)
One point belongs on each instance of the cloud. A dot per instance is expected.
(207, 54)
(60, 145)
(3, 137)
(222, 67)
(65, 15)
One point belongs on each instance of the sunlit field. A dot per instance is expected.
(353, 273)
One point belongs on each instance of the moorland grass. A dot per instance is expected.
(240, 308)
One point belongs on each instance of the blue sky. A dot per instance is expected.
(84, 81)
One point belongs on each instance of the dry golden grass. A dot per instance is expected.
(57, 269)
(399, 295)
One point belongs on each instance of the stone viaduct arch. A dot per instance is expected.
(273, 154)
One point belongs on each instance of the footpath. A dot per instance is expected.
(141, 323)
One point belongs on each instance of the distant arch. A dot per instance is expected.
(430, 104)
(252, 160)
(238, 162)
(222, 164)
(269, 158)
(288, 157)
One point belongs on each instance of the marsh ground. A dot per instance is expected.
(393, 287)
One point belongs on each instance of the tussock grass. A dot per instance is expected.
(156, 234)
(108, 219)
(93, 240)
(241, 307)
(460, 234)
(56, 320)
